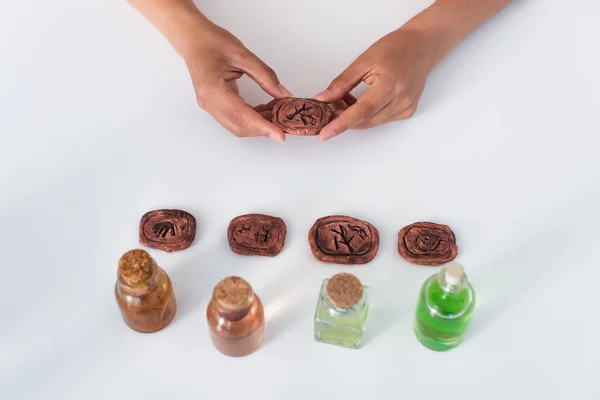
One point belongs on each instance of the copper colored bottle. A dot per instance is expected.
(144, 293)
(235, 318)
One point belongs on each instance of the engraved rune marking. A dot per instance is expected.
(163, 228)
(243, 229)
(343, 238)
(361, 232)
(262, 235)
(306, 118)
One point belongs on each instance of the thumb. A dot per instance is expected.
(343, 84)
(262, 74)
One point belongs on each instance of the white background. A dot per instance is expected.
(99, 124)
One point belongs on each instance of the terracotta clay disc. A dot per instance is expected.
(344, 290)
(167, 230)
(256, 234)
(304, 117)
(427, 243)
(341, 239)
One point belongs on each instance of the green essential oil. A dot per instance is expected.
(444, 310)
(344, 327)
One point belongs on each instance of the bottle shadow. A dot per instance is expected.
(505, 281)
(392, 305)
(195, 278)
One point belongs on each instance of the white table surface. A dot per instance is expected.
(99, 124)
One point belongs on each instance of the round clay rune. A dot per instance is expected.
(256, 234)
(167, 230)
(427, 243)
(304, 117)
(343, 240)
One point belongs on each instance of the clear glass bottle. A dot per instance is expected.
(144, 293)
(342, 311)
(444, 309)
(235, 317)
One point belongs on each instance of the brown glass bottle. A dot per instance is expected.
(144, 293)
(236, 318)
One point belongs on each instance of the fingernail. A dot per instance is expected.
(323, 95)
(323, 136)
(276, 137)
(285, 91)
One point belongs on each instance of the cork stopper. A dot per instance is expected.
(233, 294)
(454, 273)
(136, 267)
(344, 290)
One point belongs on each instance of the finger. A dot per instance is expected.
(261, 73)
(239, 113)
(344, 83)
(236, 129)
(365, 108)
(378, 119)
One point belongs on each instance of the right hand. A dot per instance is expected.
(216, 59)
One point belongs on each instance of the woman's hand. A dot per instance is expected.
(396, 67)
(216, 59)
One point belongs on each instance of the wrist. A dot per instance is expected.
(179, 21)
(438, 29)
(181, 29)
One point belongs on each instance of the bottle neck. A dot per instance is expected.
(235, 314)
(341, 312)
(451, 286)
(142, 287)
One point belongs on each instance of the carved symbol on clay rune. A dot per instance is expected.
(262, 235)
(163, 228)
(344, 237)
(305, 117)
(244, 228)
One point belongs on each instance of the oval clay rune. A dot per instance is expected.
(167, 230)
(427, 243)
(256, 234)
(305, 117)
(343, 240)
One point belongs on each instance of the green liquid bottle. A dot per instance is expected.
(444, 310)
(342, 311)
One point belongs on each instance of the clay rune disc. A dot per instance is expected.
(427, 243)
(256, 234)
(167, 230)
(304, 117)
(341, 239)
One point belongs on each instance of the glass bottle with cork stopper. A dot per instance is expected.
(342, 311)
(235, 317)
(144, 293)
(444, 309)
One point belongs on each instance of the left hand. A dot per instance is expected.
(396, 67)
